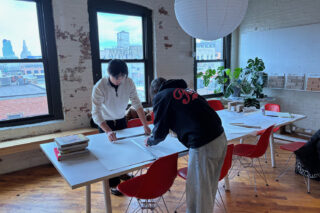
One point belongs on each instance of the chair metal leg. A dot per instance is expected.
(286, 168)
(307, 182)
(128, 205)
(224, 206)
(180, 203)
(165, 204)
(264, 175)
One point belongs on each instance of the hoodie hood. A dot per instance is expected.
(173, 83)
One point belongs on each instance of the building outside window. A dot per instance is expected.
(26, 92)
(211, 55)
(121, 30)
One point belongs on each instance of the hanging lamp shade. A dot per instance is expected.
(210, 19)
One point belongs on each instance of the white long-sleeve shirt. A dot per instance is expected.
(107, 106)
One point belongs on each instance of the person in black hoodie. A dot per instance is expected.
(199, 128)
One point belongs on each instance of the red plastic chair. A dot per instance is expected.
(134, 123)
(216, 105)
(274, 108)
(157, 181)
(183, 172)
(292, 147)
(254, 152)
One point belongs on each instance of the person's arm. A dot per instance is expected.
(143, 119)
(111, 135)
(135, 101)
(161, 122)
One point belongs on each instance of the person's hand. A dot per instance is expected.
(112, 136)
(146, 141)
(147, 130)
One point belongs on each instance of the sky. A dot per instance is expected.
(18, 22)
(110, 24)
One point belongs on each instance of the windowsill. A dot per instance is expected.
(32, 143)
(31, 125)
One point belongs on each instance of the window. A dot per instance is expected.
(211, 55)
(27, 42)
(121, 30)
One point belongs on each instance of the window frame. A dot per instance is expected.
(122, 8)
(226, 60)
(50, 67)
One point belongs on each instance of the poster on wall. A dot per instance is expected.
(313, 82)
(276, 80)
(295, 81)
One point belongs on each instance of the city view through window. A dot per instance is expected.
(120, 37)
(22, 84)
(209, 55)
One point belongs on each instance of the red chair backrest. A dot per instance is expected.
(152, 116)
(216, 105)
(227, 162)
(272, 107)
(159, 177)
(134, 123)
(262, 144)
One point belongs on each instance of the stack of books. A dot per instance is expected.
(71, 146)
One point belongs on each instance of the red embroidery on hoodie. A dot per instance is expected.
(179, 93)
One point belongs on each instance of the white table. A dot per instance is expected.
(252, 119)
(92, 167)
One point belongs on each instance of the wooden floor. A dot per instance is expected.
(42, 189)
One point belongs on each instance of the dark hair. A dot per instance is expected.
(155, 86)
(117, 68)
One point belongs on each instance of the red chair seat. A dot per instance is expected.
(216, 105)
(243, 149)
(294, 146)
(129, 189)
(183, 173)
(157, 181)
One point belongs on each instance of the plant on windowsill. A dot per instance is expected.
(231, 79)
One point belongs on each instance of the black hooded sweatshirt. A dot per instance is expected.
(186, 113)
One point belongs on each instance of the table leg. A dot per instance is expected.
(273, 162)
(107, 199)
(88, 198)
(226, 183)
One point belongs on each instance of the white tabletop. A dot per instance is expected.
(100, 164)
(250, 119)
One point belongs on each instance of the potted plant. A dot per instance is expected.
(255, 75)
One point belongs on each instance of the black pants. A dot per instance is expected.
(115, 125)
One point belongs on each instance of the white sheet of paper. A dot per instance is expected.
(169, 146)
(117, 155)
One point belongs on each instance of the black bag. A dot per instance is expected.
(308, 158)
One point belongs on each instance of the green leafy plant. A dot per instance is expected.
(255, 75)
(207, 76)
(248, 102)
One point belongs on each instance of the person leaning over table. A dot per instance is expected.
(110, 97)
(199, 128)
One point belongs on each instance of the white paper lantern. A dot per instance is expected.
(210, 19)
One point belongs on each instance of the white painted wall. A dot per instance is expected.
(285, 34)
(172, 59)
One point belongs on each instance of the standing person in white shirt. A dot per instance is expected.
(110, 97)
